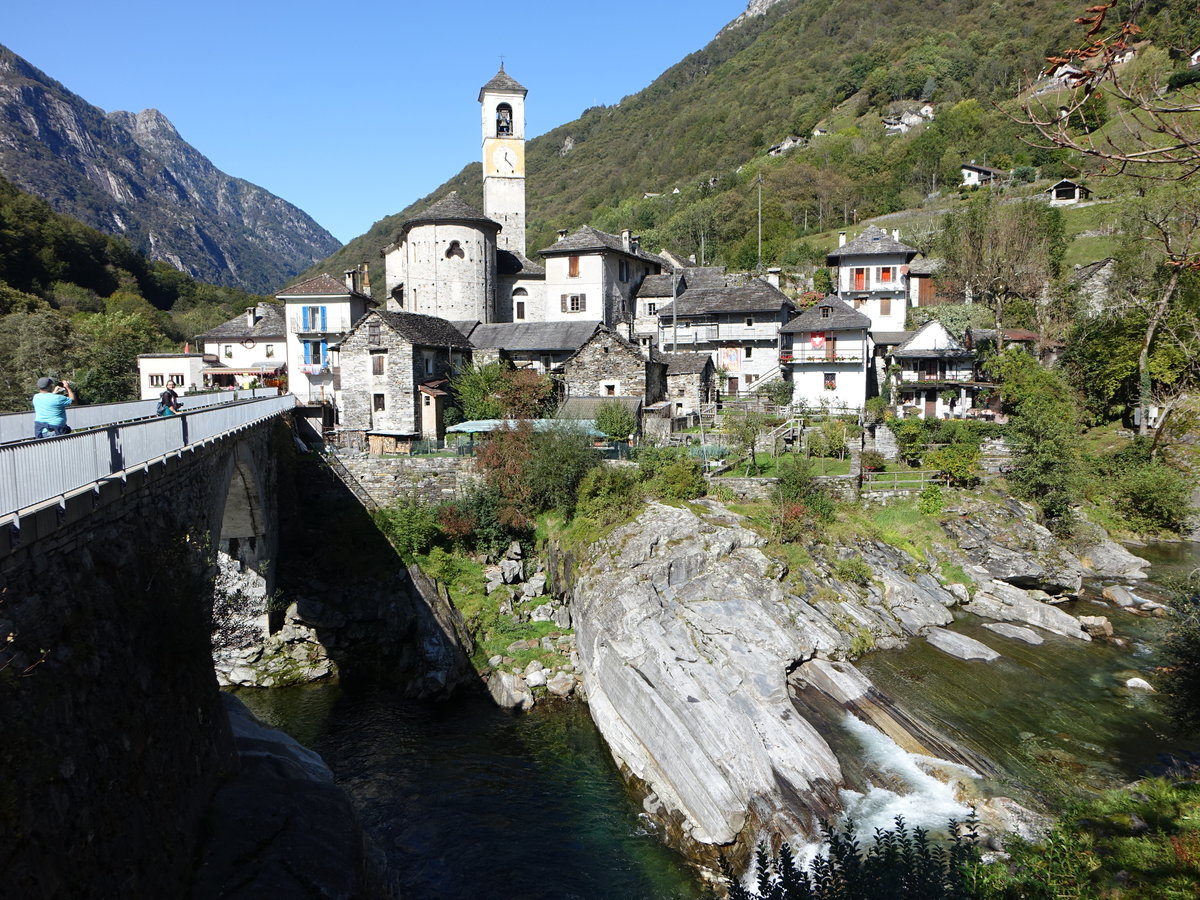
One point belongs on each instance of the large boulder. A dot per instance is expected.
(1002, 602)
(686, 633)
(1004, 538)
(960, 645)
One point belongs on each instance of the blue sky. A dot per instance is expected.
(352, 110)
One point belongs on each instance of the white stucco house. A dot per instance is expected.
(936, 378)
(871, 275)
(1067, 192)
(319, 312)
(248, 347)
(974, 175)
(594, 276)
(827, 352)
(156, 369)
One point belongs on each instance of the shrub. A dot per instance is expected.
(872, 461)
(1156, 498)
(931, 503)
(899, 864)
(876, 410)
(778, 391)
(854, 569)
(792, 521)
(910, 440)
(411, 527)
(958, 462)
(1183, 79)
(796, 485)
(615, 420)
(608, 494)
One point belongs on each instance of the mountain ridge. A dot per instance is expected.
(132, 175)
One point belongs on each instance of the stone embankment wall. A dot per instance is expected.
(430, 479)
(114, 733)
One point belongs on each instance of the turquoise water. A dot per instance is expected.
(468, 801)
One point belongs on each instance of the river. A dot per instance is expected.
(471, 802)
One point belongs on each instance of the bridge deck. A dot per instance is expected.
(19, 426)
(33, 472)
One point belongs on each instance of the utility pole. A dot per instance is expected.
(760, 181)
(674, 311)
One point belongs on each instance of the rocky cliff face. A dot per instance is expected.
(704, 658)
(133, 176)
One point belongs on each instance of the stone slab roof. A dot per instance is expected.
(891, 338)
(841, 318)
(585, 407)
(684, 363)
(925, 266)
(450, 209)
(427, 331)
(502, 81)
(533, 336)
(872, 240)
(588, 240)
(268, 323)
(510, 263)
(323, 285)
(695, 277)
(738, 294)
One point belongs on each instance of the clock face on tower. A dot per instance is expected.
(504, 158)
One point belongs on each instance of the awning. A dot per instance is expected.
(257, 370)
(482, 426)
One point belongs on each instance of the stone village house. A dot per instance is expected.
(398, 363)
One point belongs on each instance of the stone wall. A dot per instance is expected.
(114, 734)
(431, 479)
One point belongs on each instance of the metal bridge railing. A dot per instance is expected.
(36, 471)
(19, 426)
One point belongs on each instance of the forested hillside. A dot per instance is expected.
(838, 63)
(78, 304)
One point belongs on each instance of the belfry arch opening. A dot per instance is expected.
(504, 120)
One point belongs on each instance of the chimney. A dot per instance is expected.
(635, 243)
(773, 277)
(841, 239)
(896, 235)
(251, 315)
(562, 233)
(349, 277)
(626, 239)
(366, 278)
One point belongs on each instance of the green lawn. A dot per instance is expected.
(768, 466)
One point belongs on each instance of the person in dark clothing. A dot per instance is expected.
(168, 401)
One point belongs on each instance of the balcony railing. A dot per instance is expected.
(815, 357)
(298, 325)
(925, 377)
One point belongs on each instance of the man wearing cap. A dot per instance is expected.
(50, 408)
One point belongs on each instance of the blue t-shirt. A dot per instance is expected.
(50, 408)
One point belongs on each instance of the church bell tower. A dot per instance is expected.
(503, 102)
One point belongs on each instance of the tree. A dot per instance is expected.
(1159, 132)
(615, 419)
(743, 427)
(1044, 435)
(997, 252)
(1161, 247)
(496, 390)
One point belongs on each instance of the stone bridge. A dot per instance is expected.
(114, 734)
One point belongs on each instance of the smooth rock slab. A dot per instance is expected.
(1016, 632)
(1139, 684)
(960, 645)
(1120, 596)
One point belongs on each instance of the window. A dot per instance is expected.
(156, 381)
(314, 353)
(374, 333)
(885, 306)
(455, 250)
(826, 311)
(622, 270)
(610, 390)
(377, 403)
(747, 352)
(831, 381)
(749, 321)
(573, 267)
(574, 302)
(270, 351)
(750, 379)
(520, 314)
(428, 365)
(228, 351)
(378, 363)
(651, 308)
(428, 400)
(859, 278)
(859, 301)
(887, 276)
(314, 318)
